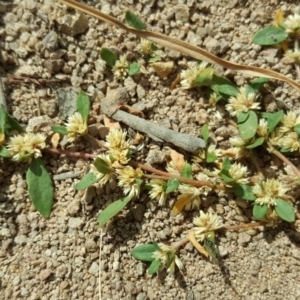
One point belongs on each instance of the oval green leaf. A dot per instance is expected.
(187, 171)
(256, 143)
(108, 56)
(83, 105)
(86, 181)
(297, 129)
(4, 152)
(172, 185)
(40, 187)
(134, 68)
(284, 210)
(259, 211)
(112, 210)
(144, 252)
(244, 191)
(134, 21)
(102, 166)
(154, 267)
(204, 133)
(210, 157)
(272, 119)
(270, 36)
(248, 128)
(60, 129)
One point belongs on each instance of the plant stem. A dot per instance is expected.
(243, 226)
(272, 150)
(70, 153)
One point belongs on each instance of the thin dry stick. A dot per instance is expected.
(180, 46)
(70, 153)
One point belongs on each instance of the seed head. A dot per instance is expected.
(167, 256)
(76, 126)
(243, 102)
(206, 223)
(189, 76)
(289, 121)
(158, 191)
(292, 24)
(24, 147)
(128, 180)
(268, 191)
(120, 69)
(146, 47)
(239, 173)
(289, 141)
(103, 178)
(293, 55)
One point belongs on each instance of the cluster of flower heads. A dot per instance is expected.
(188, 77)
(116, 158)
(24, 147)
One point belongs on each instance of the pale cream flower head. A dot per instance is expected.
(188, 77)
(239, 172)
(103, 178)
(268, 191)
(289, 141)
(24, 147)
(158, 191)
(262, 128)
(289, 121)
(243, 102)
(127, 180)
(145, 47)
(116, 140)
(201, 155)
(76, 126)
(292, 24)
(120, 69)
(167, 256)
(206, 223)
(293, 55)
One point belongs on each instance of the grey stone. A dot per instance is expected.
(50, 41)
(73, 25)
(138, 212)
(20, 239)
(75, 223)
(94, 269)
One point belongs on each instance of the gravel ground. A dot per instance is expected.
(58, 258)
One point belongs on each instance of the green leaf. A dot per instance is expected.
(210, 157)
(243, 116)
(212, 248)
(87, 180)
(12, 124)
(83, 105)
(3, 118)
(187, 171)
(3, 152)
(226, 164)
(272, 119)
(102, 166)
(256, 84)
(248, 128)
(172, 185)
(40, 187)
(144, 252)
(284, 210)
(204, 77)
(60, 129)
(138, 181)
(224, 86)
(270, 36)
(154, 267)
(226, 178)
(244, 191)
(134, 21)
(108, 56)
(113, 209)
(205, 133)
(153, 47)
(154, 58)
(297, 128)
(256, 143)
(134, 68)
(259, 211)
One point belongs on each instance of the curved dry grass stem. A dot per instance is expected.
(181, 46)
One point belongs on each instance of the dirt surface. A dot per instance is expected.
(58, 258)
